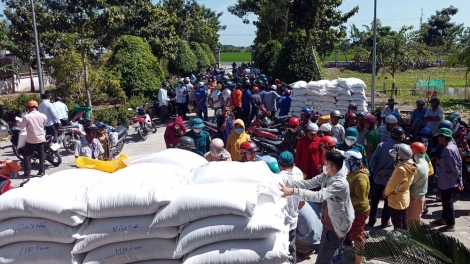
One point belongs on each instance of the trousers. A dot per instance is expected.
(329, 243)
(448, 213)
(182, 109)
(376, 195)
(50, 130)
(28, 153)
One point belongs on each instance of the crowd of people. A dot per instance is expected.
(349, 167)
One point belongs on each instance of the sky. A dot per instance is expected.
(393, 13)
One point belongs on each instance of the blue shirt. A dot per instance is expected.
(284, 103)
(200, 94)
(450, 168)
(246, 99)
(416, 114)
(382, 161)
(262, 94)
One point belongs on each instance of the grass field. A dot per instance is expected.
(235, 56)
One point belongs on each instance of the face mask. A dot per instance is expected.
(352, 166)
(177, 127)
(349, 142)
(238, 130)
(425, 140)
(353, 111)
(197, 130)
(325, 169)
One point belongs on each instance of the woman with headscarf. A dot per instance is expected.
(217, 152)
(236, 138)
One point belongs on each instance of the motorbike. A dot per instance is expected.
(142, 122)
(212, 129)
(117, 135)
(271, 133)
(68, 135)
(268, 147)
(18, 139)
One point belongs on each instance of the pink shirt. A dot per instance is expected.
(34, 123)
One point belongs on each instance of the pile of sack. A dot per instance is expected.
(325, 96)
(168, 207)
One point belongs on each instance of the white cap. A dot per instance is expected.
(312, 127)
(353, 153)
(326, 127)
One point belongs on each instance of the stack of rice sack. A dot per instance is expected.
(38, 222)
(232, 217)
(357, 89)
(298, 96)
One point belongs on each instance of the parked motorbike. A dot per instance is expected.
(68, 135)
(271, 133)
(212, 129)
(142, 122)
(18, 140)
(268, 147)
(117, 136)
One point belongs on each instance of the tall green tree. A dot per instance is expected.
(202, 60)
(139, 70)
(185, 62)
(209, 53)
(321, 20)
(440, 31)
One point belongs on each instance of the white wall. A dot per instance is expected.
(22, 85)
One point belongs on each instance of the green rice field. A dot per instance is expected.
(235, 56)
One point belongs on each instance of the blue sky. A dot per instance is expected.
(394, 13)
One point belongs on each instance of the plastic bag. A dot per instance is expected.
(106, 166)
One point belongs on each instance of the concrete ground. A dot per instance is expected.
(134, 146)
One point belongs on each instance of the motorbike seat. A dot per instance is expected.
(122, 130)
(282, 119)
(270, 130)
(269, 141)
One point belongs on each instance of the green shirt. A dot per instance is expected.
(372, 139)
(359, 188)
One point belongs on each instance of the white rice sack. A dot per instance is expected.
(328, 98)
(297, 104)
(343, 103)
(342, 108)
(166, 261)
(101, 232)
(184, 159)
(299, 84)
(203, 200)
(139, 189)
(328, 106)
(315, 85)
(332, 85)
(360, 102)
(359, 90)
(309, 103)
(362, 108)
(298, 98)
(314, 98)
(343, 83)
(331, 93)
(345, 91)
(299, 92)
(359, 97)
(132, 251)
(45, 201)
(78, 177)
(37, 252)
(316, 104)
(267, 220)
(355, 82)
(325, 111)
(272, 250)
(343, 97)
(35, 229)
(234, 172)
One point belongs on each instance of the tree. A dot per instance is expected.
(185, 62)
(132, 59)
(269, 56)
(138, 18)
(321, 20)
(439, 31)
(294, 62)
(20, 30)
(400, 51)
(202, 60)
(209, 53)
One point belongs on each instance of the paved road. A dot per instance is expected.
(155, 143)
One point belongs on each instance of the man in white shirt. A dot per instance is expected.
(53, 120)
(226, 95)
(434, 115)
(216, 97)
(181, 96)
(163, 102)
(289, 172)
(390, 109)
(62, 111)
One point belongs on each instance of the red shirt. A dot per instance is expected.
(171, 136)
(308, 156)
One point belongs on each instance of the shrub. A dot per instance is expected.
(258, 59)
(185, 62)
(10, 107)
(269, 56)
(201, 56)
(295, 62)
(137, 67)
(209, 53)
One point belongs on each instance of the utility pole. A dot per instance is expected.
(374, 57)
(38, 54)
(421, 19)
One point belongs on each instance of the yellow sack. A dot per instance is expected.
(431, 169)
(101, 165)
